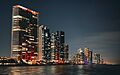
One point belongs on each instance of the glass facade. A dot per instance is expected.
(58, 47)
(24, 33)
(53, 48)
(44, 37)
(31, 41)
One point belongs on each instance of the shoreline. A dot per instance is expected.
(59, 64)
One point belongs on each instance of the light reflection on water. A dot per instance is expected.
(60, 70)
(48, 70)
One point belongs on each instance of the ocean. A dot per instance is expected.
(61, 70)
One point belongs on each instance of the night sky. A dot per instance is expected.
(87, 23)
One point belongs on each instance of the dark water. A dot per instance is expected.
(61, 70)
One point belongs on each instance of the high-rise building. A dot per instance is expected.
(54, 51)
(81, 56)
(60, 42)
(66, 54)
(97, 58)
(90, 57)
(24, 33)
(44, 44)
(58, 47)
(86, 55)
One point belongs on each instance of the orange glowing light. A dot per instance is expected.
(31, 11)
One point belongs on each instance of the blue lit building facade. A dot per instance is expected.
(87, 56)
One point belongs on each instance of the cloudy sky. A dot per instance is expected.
(87, 23)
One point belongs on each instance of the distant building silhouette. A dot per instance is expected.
(97, 58)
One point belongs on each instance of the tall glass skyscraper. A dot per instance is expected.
(62, 44)
(24, 33)
(44, 44)
(58, 47)
(54, 51)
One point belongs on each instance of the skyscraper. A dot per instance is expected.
(58, 47)
(54, 52)
(66, 54)
(81, 53)
(60, 42)
(24, 33)
(97, 58)
(90, 57)
(86, 55)
(44, 44)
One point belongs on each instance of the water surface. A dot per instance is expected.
(61, 70)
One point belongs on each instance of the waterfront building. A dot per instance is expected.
(58, 47)
(90, 57)
(8, 61)
(66, 53)
(78, 58)
(86, 55)
(60, 42)
(81, 56)
(44, 44)
(24, 33)
(97, 58)
(54, 52)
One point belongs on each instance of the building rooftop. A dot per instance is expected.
(24, 8)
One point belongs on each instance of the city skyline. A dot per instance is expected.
(33, 42)
(104, 39)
